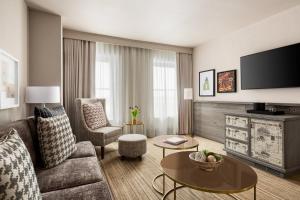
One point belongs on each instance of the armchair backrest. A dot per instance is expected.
(80, 125)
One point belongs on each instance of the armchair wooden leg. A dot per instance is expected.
(102, 152)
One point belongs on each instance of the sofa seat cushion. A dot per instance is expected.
(70, 173)
(84, 149)
(109, 131)
(98, 190)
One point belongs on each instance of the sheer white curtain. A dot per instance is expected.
(165, 92)
(128, 76)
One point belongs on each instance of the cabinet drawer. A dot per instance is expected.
(237, 134)
(240, 122)
(236, 146)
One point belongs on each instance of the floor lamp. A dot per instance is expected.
(188, 96)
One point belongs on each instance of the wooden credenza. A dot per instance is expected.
(271, 141)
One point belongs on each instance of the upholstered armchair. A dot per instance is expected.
(99, 137)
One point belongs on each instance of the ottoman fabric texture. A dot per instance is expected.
(132, 145)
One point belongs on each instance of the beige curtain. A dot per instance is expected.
(79, 65)
(184, 80)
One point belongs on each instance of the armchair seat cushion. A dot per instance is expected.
(70, 173)
(84, 149)
(109, 131)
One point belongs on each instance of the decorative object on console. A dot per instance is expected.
(17, 176)
(9, 81)
(42, 94)
(207, 83)
(226, 81)
(135, 112)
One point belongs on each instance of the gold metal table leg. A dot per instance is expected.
(172, 190)
(254, 192)
(155, 187)
(164, 179)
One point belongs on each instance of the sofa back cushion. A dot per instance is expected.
(24, 131)
(46, 112)
(94, 115)
(17, 176)
(56, 139)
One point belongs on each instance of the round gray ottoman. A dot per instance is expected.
(132, 145)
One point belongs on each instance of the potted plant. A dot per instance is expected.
(134, 111)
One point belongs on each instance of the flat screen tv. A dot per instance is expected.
(276, 68)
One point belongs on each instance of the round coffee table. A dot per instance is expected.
(159, 141)
(232, 176)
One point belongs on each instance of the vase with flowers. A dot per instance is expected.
(134, 111)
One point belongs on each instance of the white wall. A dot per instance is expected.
(224, 54)
(14, 40)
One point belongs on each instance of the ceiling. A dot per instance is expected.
(178, 22)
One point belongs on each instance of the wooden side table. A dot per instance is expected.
(138, 123)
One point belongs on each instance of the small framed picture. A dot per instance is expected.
(207, 83)
(226, 81)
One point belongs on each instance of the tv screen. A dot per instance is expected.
(277, 68)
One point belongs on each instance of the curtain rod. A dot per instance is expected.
(72, 34)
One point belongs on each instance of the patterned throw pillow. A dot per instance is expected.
(94, 115)
(17, 175)
(56, 139)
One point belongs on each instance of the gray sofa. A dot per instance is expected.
(79, 177)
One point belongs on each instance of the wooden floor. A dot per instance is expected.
(132, 179)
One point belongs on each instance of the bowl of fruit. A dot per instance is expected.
(206, 160)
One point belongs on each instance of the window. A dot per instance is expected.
(103, 85)
(165, 88)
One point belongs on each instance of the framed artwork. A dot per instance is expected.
(226, 81)
(9, 81)
(207, 83)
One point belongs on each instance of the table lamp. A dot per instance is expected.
(42, 94)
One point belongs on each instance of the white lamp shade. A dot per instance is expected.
(37, 94)
(188, 93)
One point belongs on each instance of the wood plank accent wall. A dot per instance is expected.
(209, 121)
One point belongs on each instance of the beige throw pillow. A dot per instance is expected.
(94, 115)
